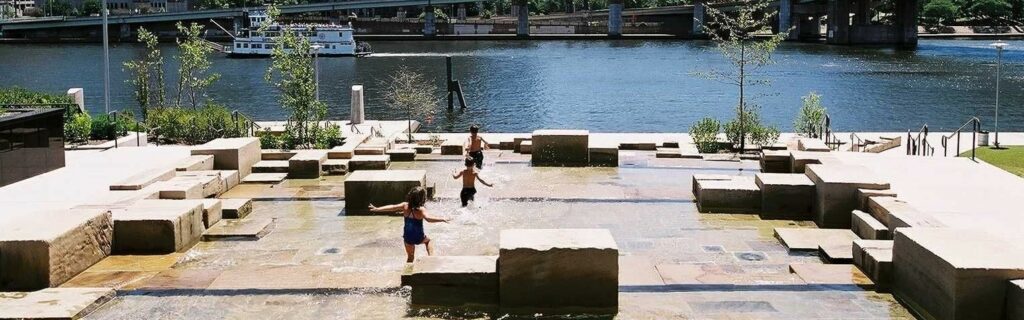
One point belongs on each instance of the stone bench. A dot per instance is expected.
(453, 280)
(306, 164)
(270, 166)
(812, 145)
(232, 153)
(192, 163)
(379, 162)
(787, 196)
(776, 161)
(874, 258)
(602, 155)
(402, 155)
(144, 179)
(560, 148)
(836, 191)
(157, 226)
(45, 249)
(737, 195)
(867, 227)
(452, 148)
(235, 208)
(950, 273)
(379, 187)
(558, 268)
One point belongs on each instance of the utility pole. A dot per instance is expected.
(106, 61)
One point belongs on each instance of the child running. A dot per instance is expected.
(414, 214)
(475, 146)
(469, 178)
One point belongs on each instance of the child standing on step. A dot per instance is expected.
(475, 146)
(469, 177)
(414, 213)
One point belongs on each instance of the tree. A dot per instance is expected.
(58, 8)
(292, 72)
(809, 119)
(734, 35)
(90, 7)
(148, 74)
(193, 54)
(992, 10)
(940, 11)
(409, 91)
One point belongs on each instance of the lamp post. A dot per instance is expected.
(316, 68)
(106, 61)
(999, 62)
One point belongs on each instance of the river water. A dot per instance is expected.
(604, 86)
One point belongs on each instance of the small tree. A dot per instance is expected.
(90, 7)
(409, 91)
(193, 56)
(939, 11)
(734, 36)
(812, 113)
(148, 74)
(992, 10)
(292, 72)
(705, 135)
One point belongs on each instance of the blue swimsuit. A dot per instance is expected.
(413, 232)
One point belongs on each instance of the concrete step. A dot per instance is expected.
(788, 196)
(271, 166)
(276, 154)
(192, 163)
(265, 178)
(45, 249)
(306, 164)
(144, 179)
(874, 258)
(379, 187)
(813, 145)
(737, 195)
(232, 153)
(836, 191)
(54, 303)
(239, 230)
(810, 239)
(335, 167)
(453, 280)
(402, 154)
(236, 208)
(157, 226)
(229, 178)
(867, 227)
(526, 147)
(452, 148)
(373, 162)
(831, 274)
(212, 212)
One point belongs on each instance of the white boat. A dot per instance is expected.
(330, 39)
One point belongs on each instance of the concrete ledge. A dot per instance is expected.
(402, 154)
(370, 149)
(836, 191)
(703, 176)
(644, 146)
(306, 164)
(787, 196)
(232, 153)
(600, 156)
(144, 179)
(53, 303)
(271, 166)
(453, 280)
(276, 154)
(874, 258)
(864, 195)
(738, 195)
(810, 239)
(265, 178)
(229, 178)
(882, 208)
(239, 230)
(517, 144)
(235, 208)
(157, 226)
(800, 159)
(210, 185)
(335, 167)
(424, 149)
(176, 190)
(452, 148)
(379, 187)
(192, 163)
(361, 162)
(906, 219)
(48, 248)
(213, 212)
(669, 153)
(560, 148)
(347, 150)
(526, 147)
(948, 273)
(1015, 300)
(866, 227)
(558, 268)
(776, 161)
(812, 145)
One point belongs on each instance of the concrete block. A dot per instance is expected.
(1015, 300)
(811, 239)
(882, 209)
(836, 191)
(776, 161)
(370, 149)
(600, 156)
(526, 147)
(453, 280)
(54, 303)
(271, 166)
(812, 145)
(335, 167)
(276, 154)
(239, 230)
(874, 258)
(703, 176)
(506, 145)
(836, 253)
(950, 273)
(906, 219)
(265, 178)
(379, 187)
(831, 274)
(560, 148)
(180, 189)
(424, 149)
(867, 227)
(645, 146)
(210, 185)
(229, 178)
(670, 153)
(800, 159)
(235, 208)
(558, 268)
(348, 149)
(144, 179)
(863, 195)
(517, 144)
(48, 248)
(452, 148)
(402, 155)
(670, 144)
(379, 162)
(232, 153)
(157, 226)
(200, 162)
(306, 164)
(212, 212)
(738, 195)
(787, 196)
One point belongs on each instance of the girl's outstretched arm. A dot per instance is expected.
(388, 208)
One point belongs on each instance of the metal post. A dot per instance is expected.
(448, 67)
(316, 67)
(106, 61)
(999, 62)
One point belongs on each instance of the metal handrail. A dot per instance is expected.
(919, 146)
(251, 125)
(825, 133)
(857, 143)
(976, 127)
(113, 115)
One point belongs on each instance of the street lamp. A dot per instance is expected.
(999, 62)
(106, 61)
(316, 66)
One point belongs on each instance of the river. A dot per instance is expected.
(604, 86)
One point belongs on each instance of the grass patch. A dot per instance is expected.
(1010, 159)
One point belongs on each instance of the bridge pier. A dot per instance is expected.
(788, 20)
(906, 23)
(429, 23)
(522, 10)
(124, 34)
(697, 31)
(838, 22)
(614, 18)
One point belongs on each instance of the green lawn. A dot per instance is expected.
(1010, 159)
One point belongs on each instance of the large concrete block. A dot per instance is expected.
(54, 303)
(306, 164)
(558, 268)
(452, 148)
(48, 248)
(874, 258)
(882, 209)
(867, 227)
(738, 195)
(526, 147)
(836, 191)
(950, 273)
(212, 212)
(1015, 300)
(775, 161)
(235, 208)
(785, 196)
(561, 148)
(157, 226)
(144, 179)
(704, 176)
(362, 162)
(864, 195)
(600, 156)
(813, 145)
(402, 154)
(453, 280)
(379, 187)
(232, 153)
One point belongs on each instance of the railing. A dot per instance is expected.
(241, 120)
(857, 144)
(825, 133)
(919, 145)
(975, 128)
(113, 115)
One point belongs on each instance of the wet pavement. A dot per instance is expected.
(316, 262)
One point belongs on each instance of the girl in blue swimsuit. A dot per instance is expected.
(414, 214)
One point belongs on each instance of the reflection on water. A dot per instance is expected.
(606, 86)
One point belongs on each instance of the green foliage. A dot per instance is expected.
(194, 126)
(409, 91)
(939, 11)
(705, 135)
(59, 8)
(439, 15)
(748, 127)
(486, 14)
(107, 127)
(90, 7)
(17, 95)
(194, 63)
(991, 10)
(78, 128)
(147, 74)
(812, 113)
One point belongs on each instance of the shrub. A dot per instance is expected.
(705, 135)
(188, 126)
(104, 127)
(755, 132)
(764, 136)
(329, 137)
(812, 113)
(78, 128)
(486, 14)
